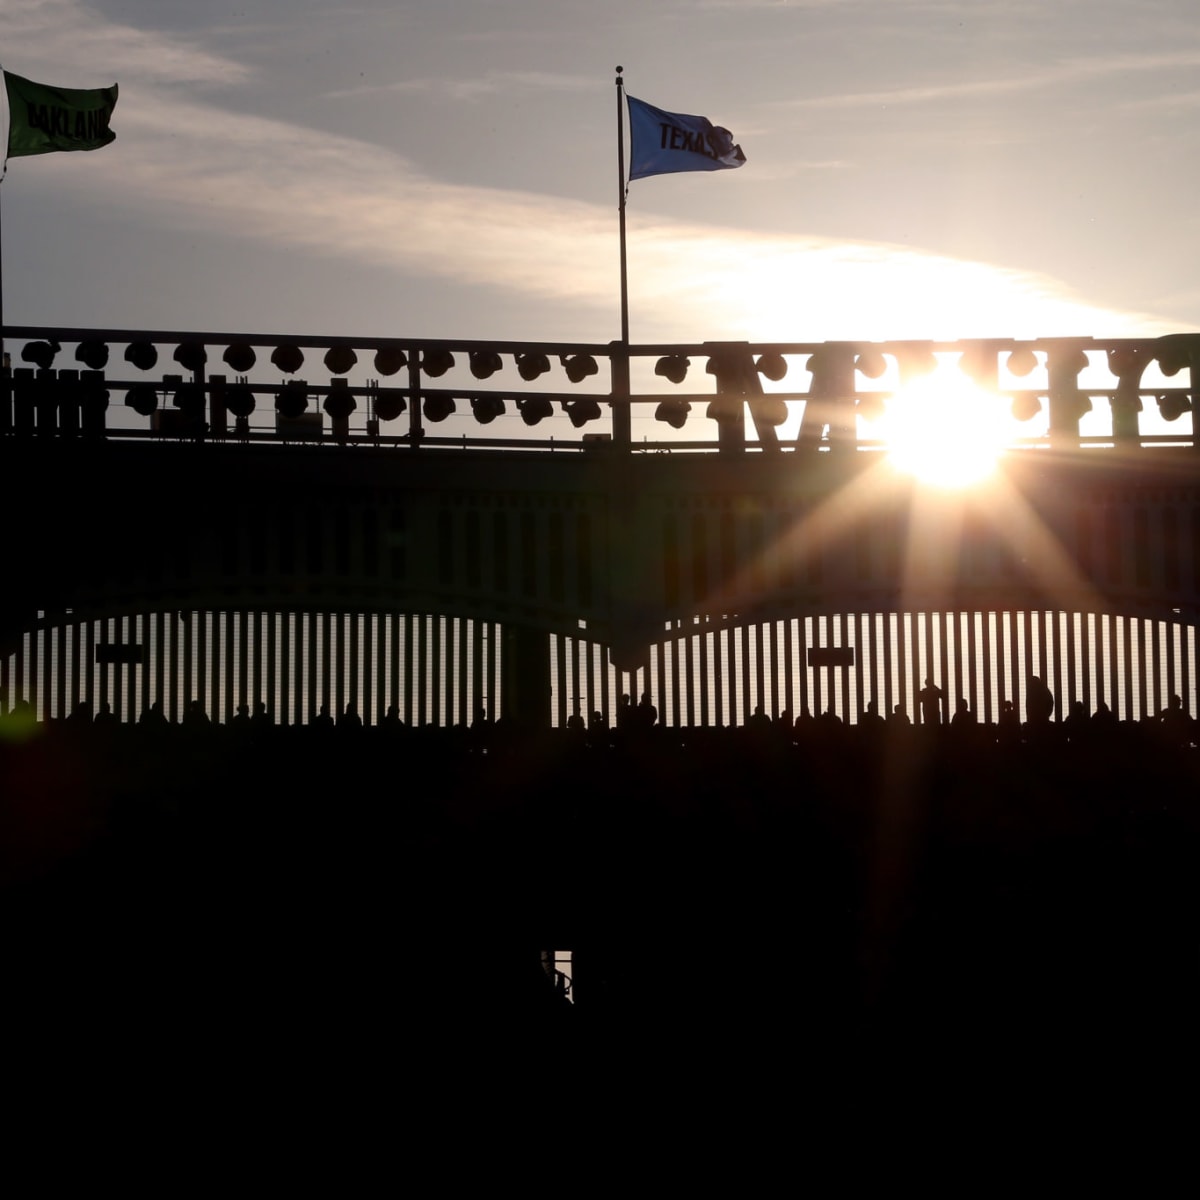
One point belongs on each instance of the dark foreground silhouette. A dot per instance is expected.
(814, 902)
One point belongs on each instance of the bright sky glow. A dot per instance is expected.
(945, 430)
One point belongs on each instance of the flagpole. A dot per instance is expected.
(621, 203)
(622, 428)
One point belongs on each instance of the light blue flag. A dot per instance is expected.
(663, 142)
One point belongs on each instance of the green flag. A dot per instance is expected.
(42, 119)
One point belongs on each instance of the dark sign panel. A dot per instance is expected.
(831, 656)
(119, 652)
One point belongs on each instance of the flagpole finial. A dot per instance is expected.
(620, 81)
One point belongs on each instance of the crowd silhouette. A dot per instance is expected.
(881, 880)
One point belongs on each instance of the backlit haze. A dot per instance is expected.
(448, 169)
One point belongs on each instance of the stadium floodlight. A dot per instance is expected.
(773, 366)
(292, 399)
(534, 409)
(289, 359)
(581, 411)
(239, 399)
(438, 408)
(339, 360)
(93, 355)
(436, 362)
(142, 398)
(871, 364)
(1021, 362)
(191, 356)
(143, 355)
(530, 366)
(578, 366)
(41, 354)
(1172, 405)
(485, 363)
(674, 412)
(673, 367)
(339, 403)
(487, 408)
(389, 360)
(1026, 405)
(389, 404)
(240, 357)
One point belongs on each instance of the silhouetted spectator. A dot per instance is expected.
(1175, 723)
(1039, 702)
(152, 717)
(1103, 719)
(1077, 724)
(931, 697)
(758, 719)
(871, 721)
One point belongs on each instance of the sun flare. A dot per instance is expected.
(945, 430)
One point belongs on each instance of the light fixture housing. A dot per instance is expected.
(436, 363)
(240, 357)
(534, 409)
(673, 367)
(581, 411)
(487, 408)
(389, 360)
(673, 412)
(289, 359)
(485, 363)
(340, 359)
(292, 400)
(438, 408)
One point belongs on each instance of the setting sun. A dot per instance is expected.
(945, 430)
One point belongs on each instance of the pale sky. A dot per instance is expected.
(448, 168)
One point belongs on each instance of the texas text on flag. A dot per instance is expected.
(662, 142)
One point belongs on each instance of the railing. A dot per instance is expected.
(253, 388)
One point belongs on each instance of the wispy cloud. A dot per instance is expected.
(182, 162)
(471, 89)
(64, 43)
(1073, 71)
(341, 199)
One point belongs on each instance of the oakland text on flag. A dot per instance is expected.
(663, 142)
(42, 119)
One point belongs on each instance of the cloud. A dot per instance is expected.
(473, 89)
(181, 162)
(1074, 71)
(60, 41)
(268, 181)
